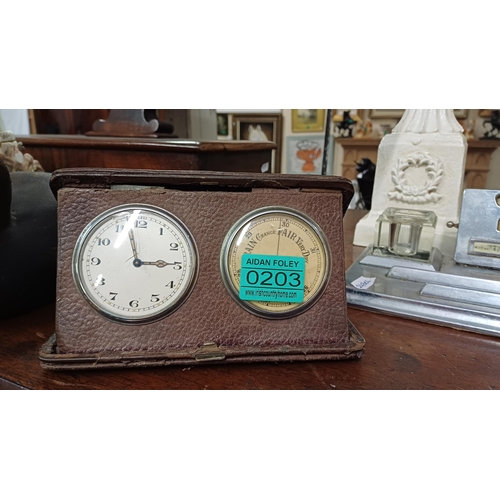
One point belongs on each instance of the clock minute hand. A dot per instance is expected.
(132, 243)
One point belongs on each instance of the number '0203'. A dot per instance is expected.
(267, 278)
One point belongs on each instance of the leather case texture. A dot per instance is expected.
(210, 326)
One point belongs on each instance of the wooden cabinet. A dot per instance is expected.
(478, 162)
(354, 151)
(140, 139)
(476, 168)
(68, 151)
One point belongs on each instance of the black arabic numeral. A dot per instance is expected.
(296, 279)
(174, 246)
(252, 272)
(114, 295)
(155, 298)
(105, 242)
(283, 282)
(266, 281)
(95, 261)
(134, 303)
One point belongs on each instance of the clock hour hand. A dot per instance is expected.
(160, 263)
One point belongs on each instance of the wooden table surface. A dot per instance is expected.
(399, 354)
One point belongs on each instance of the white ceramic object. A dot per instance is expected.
(420, 166)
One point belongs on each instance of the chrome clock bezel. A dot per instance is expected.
(225, 253)
(175, 221)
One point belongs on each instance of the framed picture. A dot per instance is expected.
(304, 154)
(385, 113)
(222, 125)
(308, 120)
(260, 128)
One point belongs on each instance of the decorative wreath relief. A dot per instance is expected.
(417, 193)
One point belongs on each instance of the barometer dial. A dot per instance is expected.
(270, 243)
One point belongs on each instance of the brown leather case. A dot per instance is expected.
(210, 326)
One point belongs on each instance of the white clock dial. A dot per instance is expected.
(277, 231)
(135, 263)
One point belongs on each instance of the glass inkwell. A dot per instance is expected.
(405, 233)
(404, 238)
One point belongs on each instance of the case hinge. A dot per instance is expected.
(209, 351)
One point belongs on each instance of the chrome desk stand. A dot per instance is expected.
(438, 290)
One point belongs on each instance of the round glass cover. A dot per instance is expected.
(276, 232)
(135, 263)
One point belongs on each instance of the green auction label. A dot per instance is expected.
(272, 278)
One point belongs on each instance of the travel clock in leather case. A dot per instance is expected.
(177, 267)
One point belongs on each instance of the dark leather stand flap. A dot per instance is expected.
(51, 359)
(196, 180)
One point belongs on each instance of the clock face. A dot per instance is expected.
(135, 263)
(271, 241)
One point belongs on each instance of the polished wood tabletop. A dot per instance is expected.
(399, 354)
